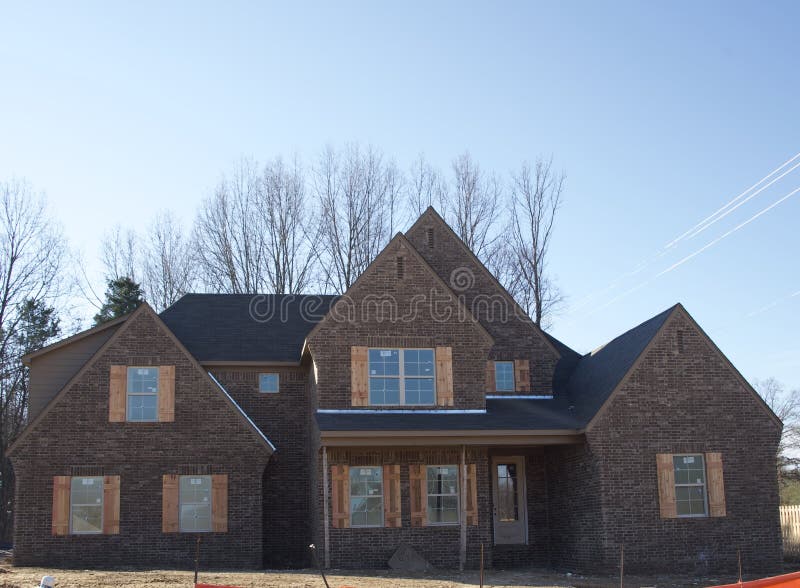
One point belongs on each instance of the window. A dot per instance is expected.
(86, 505)
(143, 394)
(195, 504)
(401, 376)
(442, 495)
(268, 383)
(504, 376)
(366, 497)
(690, 485)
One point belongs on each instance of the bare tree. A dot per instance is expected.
(30, 270)
(230, 235)
(168, 262)
(472, 205)
(425, 187)
(291, 228)
(120, 254)
(786, 406)
(358, 194)
(535, 199)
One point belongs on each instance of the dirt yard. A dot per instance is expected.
(13, 577)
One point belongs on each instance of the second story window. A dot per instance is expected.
(504, 376)
(142, 394)
(401, 377)
(268, 383)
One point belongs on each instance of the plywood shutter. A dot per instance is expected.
(419, 495)
(170, 504)
(340, 496)
(166, 393)
(61, 490)
(444, 376)
(117, 392)
(392, 513)
(472, 495)
(716, 486)
(491, 383)
(359, 376)
(111, 505)
(522, 375)
(666, 486)
(219, 503)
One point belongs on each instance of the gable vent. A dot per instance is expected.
(680, 341)
(429, 237)
(401, 269)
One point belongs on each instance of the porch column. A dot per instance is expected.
(325, 524)
(462, 559)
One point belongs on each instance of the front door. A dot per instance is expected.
(510, 513)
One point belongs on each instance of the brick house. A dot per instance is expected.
(422, 407)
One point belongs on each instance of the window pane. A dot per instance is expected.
(366, 496)
(504, 376)
(87, 519)
(86, 491)
(418, 362)
(384, 391)
(142, 407)
(195, 517)
(442, 480)
(143, 379)
(419, 391)
(443, 509)
(384, 362)
(268, 383)
(689, 469)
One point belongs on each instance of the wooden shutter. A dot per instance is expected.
(170, 504)
(417, 475)
(111, 505)
(359, 376)
(716, 486)
(392, 512)
(340, 496)
(666, 486)
(219, 503)
(522, 375)
(444, 376)
(491, 383)
(472, 495)
(166, 393)
(117, 392)
(61, 490)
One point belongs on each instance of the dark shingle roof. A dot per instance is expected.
(597, 374)
(245, 327)
(510, 414)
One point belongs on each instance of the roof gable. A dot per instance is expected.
(477, 284)
(399, 244)
(131, 320)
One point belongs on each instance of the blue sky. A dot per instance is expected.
(659, 112)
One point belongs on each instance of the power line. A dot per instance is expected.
(727, 234)
(695, 230)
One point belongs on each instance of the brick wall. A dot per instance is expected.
(439, 545)
(284, 418)
(383, 310)
(515, 335)
(75, 437)
(683, 398)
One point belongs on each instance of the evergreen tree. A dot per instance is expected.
(123, 296)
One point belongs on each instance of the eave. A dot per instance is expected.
(383, 438)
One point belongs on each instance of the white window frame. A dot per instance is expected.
(457, 495)
(72, 504)
(401, 376)
(704, 485)
(277, 381)
(182, 502)
(381, 496)
(128, 392)
(513, 377)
